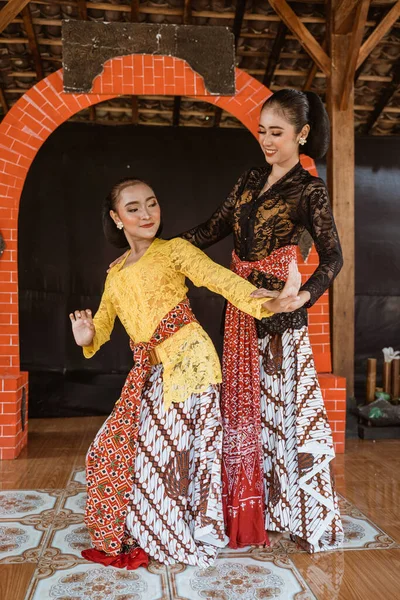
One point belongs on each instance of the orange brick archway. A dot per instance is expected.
(23, 131)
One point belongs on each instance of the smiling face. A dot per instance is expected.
(278, 138)
(139, 212)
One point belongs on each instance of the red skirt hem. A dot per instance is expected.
(130, 561)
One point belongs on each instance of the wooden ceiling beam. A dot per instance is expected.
(343, 16)
(134, 11)
(313, 72)
(237, 28)
(82, 10)
(83, 16)
(303, 35)
(32, 40)
(275, 54)
(3, 102)
(187, 12)
(376, 36)
(135, 110)
(176, 112)
(238, 21)
(9, 11)
(354, 48)
(187, 19)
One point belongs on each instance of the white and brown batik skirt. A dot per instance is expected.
(175, 513)
(297, 445)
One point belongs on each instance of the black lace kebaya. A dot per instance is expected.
(262, 223)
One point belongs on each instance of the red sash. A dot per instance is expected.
(242, 466)
(110, 463)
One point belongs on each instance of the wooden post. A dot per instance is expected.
(340, 171)
(371, 380)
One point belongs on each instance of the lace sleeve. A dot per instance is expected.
(319, 221)
(202, 271)
(103, 323)
(220, 224)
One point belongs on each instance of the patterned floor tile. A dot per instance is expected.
(20, 504)
(240, 578)
(72, 540)
(361, 533)
(89, 582)
(46, 527)
(16, 539)
(80, 477)
(76, 503)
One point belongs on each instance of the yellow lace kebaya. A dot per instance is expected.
(142, 293)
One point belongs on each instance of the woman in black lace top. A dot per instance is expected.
(278, 443)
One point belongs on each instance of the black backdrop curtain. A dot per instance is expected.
(63, 255)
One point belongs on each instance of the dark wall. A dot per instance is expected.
(377, 251)
(63, 256)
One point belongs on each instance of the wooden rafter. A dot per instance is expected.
(384, 99)
(238, 22)
(82, 10)
(275, 53)
(376, 36)
(187, 12)
(237, 28)
(134, 11)
(176, 111)
(10, 10)
(3, 102)
(355, 44)
(187, 19)
(306, 39)
(312, 72)
(33, 44)
(135, 110)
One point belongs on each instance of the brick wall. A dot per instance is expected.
(23, 131)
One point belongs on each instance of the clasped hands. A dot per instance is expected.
(290, 298)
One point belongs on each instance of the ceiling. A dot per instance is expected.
(31, 48)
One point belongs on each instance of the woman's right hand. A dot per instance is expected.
(83, 327)
(117, 261)
(288, 299)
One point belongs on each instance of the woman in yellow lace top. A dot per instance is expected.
(153, 470)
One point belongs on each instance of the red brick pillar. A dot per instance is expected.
(13, 383)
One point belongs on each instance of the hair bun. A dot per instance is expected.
(302, 108)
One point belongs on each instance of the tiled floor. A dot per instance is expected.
(45, 528)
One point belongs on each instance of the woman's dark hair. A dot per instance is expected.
(116, 236)
(300, 108)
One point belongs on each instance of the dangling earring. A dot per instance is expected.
(120, 225)
(302, 141)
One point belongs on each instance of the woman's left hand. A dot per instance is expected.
(263, 293)
(290, 298)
